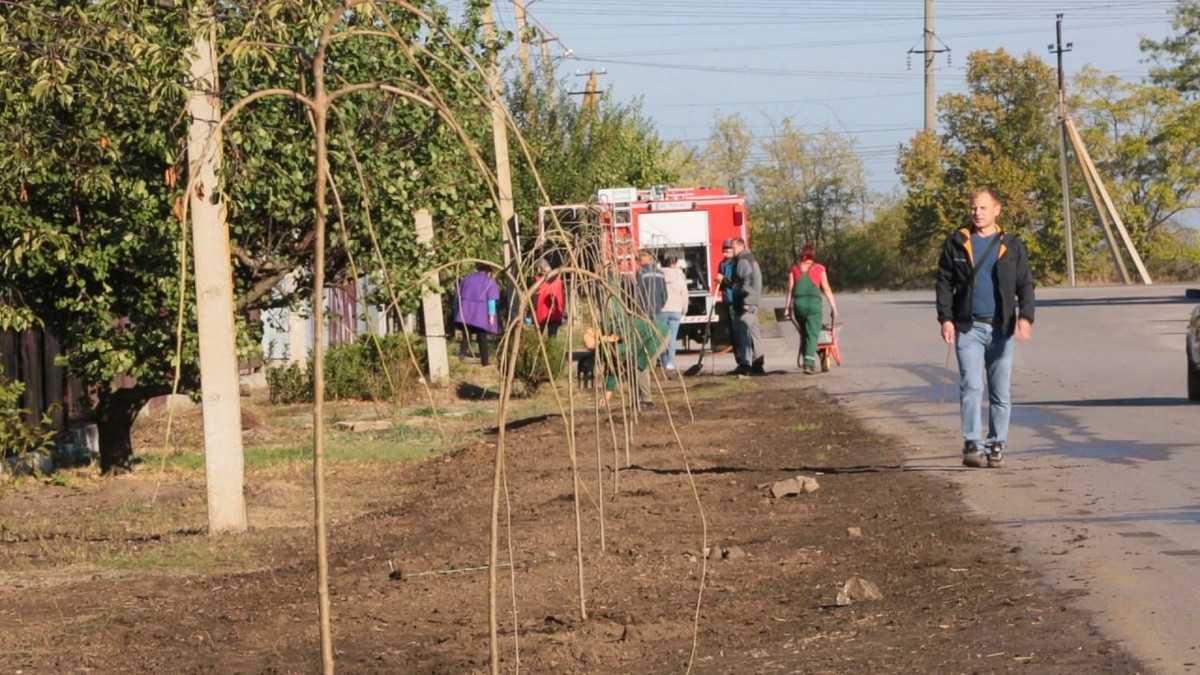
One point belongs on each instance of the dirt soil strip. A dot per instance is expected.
(955, 599)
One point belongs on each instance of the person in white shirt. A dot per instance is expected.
(674, 307)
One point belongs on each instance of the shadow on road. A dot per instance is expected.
(1148, 402)
(1078, 302)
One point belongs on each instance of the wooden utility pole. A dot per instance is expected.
(1106, 201)
(221, 395)
(591, 92)
(500, 141)
(431, 304)
(1113, 249)
(1059, 49)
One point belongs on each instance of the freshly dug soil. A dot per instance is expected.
(410, 544)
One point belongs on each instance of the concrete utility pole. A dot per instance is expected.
(522, 44)
(500, 141)
(548, 65)
(431, 304)
(221, 403)
(1059, 49)
(930, 53)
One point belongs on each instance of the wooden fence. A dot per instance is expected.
(28, 357)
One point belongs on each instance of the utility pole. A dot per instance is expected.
(548, 65)
(221, 396)
(1059, 49)
(930, 90)
(431, 305)
(545, 37)
(500, 141)
(929, 52)
(592, 91)
(522, 44)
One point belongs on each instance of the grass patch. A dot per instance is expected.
(398, 443)
(713, 387)
(201, 553)
(804, 427)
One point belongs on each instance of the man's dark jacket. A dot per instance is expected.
(1013, 282)
(651, 289)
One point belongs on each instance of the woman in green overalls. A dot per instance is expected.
(807, 283)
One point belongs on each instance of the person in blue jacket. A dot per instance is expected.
(725, 273)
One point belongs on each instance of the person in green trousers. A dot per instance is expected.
(626, 339)
(808, 283)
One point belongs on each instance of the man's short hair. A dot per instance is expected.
(646, 253)
(989, 191)
(739, 241)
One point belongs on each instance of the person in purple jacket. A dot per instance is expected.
(478, 295)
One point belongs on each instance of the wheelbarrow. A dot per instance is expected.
(827, 346)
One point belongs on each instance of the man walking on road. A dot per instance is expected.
(747, 292)
(984, 300)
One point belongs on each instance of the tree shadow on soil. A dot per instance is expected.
(522, 423)
(845, 470)
(675, 472)
(475, 392)
(132, 539)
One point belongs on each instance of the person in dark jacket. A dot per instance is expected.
(651, 285)
(984, 303)
(747, 292)
(728, 316)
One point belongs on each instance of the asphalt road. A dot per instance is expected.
(1102, 489)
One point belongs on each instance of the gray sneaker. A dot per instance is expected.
(973, 455)
(995, 456)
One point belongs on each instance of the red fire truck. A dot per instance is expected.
(689, 222)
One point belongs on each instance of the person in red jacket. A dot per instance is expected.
(548, 305)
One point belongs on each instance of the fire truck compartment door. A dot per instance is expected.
(678, 228)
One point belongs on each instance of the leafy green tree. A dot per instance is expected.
(1177, 58)
(872, 255)
(92, 138)
(724, 161)
(1002, 132)
(388, 155)
(806, 190)
(1145, 141)
(88, 109)
(570, 150)
(929, 206)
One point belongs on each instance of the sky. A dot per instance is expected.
(839, 65)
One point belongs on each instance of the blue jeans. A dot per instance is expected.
(980, 349)
(672, 320)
